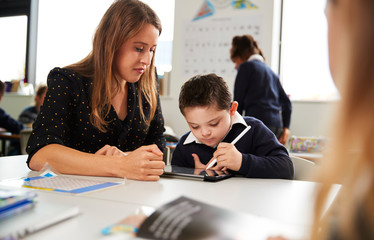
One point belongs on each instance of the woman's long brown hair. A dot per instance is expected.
(122, 21)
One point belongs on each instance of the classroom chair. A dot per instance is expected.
(304, 169)
(24, 137)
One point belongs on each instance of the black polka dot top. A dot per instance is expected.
(65, 118)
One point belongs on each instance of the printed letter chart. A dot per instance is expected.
(67, 184)
(207, 43)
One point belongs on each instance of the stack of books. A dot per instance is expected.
(14, 201)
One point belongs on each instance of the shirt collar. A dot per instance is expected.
(256, 57)
(236, 119)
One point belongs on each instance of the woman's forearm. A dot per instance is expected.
(70, 161)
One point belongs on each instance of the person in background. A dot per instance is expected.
(206, 103)
(29, 114)
(350, 157)
(6, 121)
(257, 88)
(9, 124)
(102, 115)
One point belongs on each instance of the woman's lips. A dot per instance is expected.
(139, 70)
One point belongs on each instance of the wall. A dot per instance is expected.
(311, 118)
(308, 118)
(269, 14)
(14, 103)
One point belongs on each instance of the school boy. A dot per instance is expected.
(205, 102)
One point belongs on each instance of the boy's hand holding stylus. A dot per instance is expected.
(228, 157)
(231, 163)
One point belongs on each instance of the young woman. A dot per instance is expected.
(257, 88)
(102, 115)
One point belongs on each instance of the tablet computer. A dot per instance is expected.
(195, 173)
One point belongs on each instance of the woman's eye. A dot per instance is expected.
(139, 49)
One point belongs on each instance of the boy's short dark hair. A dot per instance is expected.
(205, 90)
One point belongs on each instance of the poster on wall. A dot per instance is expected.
(207, 37)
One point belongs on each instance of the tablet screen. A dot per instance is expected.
(195, 173)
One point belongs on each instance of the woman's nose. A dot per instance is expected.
(146, 58)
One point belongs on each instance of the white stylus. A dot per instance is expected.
(233, 142)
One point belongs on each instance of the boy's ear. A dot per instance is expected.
(233, 108)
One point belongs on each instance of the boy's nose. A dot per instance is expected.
(206, 132)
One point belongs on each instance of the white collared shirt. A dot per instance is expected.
(237, 118)
(256, 57)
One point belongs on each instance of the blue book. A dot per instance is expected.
(14, 201)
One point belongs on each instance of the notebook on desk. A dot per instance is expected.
(195, 173)
(41, 216)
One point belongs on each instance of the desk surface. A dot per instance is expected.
(289, 202)
(7, 135)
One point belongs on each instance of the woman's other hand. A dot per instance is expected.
(145, 163)
(108, 150)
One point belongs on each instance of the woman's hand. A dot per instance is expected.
(145, 163)
(108, 150)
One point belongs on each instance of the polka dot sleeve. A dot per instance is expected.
(53, 122)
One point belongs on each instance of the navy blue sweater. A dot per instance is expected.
(259, 93)
(263, 155)
(10, 124)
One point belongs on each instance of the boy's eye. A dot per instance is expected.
(194, 127)
(214, 124)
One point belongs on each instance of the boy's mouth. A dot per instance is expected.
(209, 142)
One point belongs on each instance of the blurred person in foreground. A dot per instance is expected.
(350, 159)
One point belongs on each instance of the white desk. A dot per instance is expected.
(290, 202)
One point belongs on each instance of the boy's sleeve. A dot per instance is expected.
(270, 159)
(181, 156)
(177, 157)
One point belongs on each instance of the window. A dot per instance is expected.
(15, 39)
(304, 55)
(13, 48)
(65, 40)
(165, 11)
